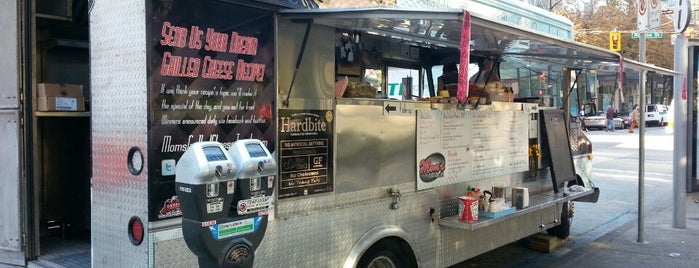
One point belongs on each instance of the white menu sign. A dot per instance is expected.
(456, 146)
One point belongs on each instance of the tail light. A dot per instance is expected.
(136, 231)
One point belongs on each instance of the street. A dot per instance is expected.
(615, 172)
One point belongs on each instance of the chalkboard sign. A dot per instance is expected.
(556, 147)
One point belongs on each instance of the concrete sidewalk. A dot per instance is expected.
(664, 246)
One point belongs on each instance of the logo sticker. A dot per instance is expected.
(167, 167)
(171, 208)
(432, 167)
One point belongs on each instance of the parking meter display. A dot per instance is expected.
(214, 153)
(255, 150)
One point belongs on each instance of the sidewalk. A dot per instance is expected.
(664, 245)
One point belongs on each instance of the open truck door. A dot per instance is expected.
(11, 238)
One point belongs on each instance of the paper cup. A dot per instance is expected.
(468, 209)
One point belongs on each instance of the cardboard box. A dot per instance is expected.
(59, 90)
(61, 104)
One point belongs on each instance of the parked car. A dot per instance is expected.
(656, 114)
(625, 118)
(599, 121)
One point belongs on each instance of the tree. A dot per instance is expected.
(593, 23)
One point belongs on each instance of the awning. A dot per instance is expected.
(440, 30)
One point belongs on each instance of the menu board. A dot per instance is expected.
(556, 145)
(305, 152)
(443, 141)
(499, 143)
(455, 146)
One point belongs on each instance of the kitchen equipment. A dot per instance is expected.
(520, 197)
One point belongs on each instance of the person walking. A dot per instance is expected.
(634, 118)
(610, 118)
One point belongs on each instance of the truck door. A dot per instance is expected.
(11, 250)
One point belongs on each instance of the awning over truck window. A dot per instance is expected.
(440, 30)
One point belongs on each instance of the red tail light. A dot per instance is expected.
(136, 230)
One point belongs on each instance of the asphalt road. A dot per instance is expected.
(615, 171)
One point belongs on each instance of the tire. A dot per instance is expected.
(389, 253)
(563, 230)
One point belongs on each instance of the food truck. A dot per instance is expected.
(371, 163)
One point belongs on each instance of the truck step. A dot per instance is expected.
(545, 243)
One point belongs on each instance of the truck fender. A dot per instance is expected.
(372, 236)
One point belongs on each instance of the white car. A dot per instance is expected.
(656, 114)
(599, 121)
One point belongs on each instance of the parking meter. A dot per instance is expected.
(224, 197)
(256, 176)
(205, 186)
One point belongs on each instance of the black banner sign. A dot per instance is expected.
(305, 152)
(211, 78)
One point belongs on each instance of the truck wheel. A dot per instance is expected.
(563, 230)
(388, 253)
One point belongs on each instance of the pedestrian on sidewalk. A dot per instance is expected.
(634, 118)
(610, 118)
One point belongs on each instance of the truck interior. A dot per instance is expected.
(59, 165)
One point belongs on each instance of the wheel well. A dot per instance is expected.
(563, 229)
(393, 244)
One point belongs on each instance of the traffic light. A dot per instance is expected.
(615, 41)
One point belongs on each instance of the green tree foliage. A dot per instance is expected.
(592, 26)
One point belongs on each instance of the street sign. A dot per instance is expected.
(648, 35)
(648, 14)
(681, 15)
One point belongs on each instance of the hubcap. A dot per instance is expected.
(382, 262)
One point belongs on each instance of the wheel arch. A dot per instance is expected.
(373, 236)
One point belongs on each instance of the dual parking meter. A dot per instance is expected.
(224, 197)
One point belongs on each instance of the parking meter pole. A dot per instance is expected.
(641, 135)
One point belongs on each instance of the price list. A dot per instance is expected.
(443, 141)
(499, 143)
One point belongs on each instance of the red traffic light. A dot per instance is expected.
(615, 41)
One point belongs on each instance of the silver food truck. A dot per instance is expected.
(271, 133)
